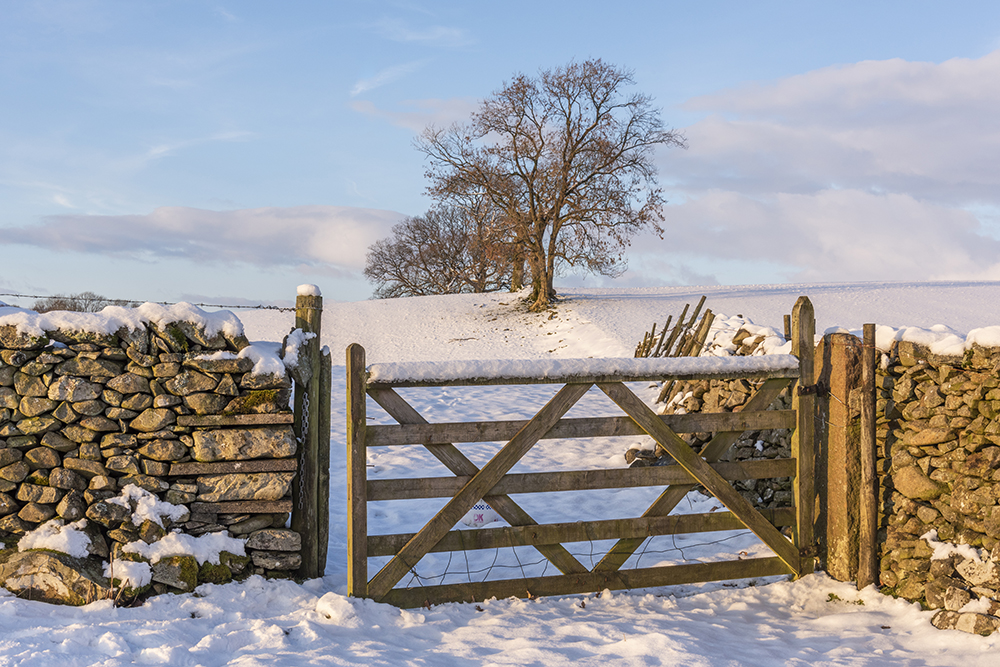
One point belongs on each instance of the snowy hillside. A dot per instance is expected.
(814, 621)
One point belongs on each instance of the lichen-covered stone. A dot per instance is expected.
(41, 424)
(153, 419)
(108, 514)
(971, 622)
(129, 383)
(277, 560)
(190, 382)
(54, 577)
(13, 338)
(37, 512)
(259, 401)
(164, 450)
(180, 572)
(100, 424)
(84, 367)
(42, 457)
(61, 478)
(8, 456)
(913, 483)
(232, 364)
(72, 506)
(275, 539)
(137, 402)
(244, 444)
(73, 389)
(8, 505)
(15, 472)
(146, 482)
(58, 442)
(84, 467)
(125, 464)
(32, 406)
(252, 486)
(32, 493)
(206, 403)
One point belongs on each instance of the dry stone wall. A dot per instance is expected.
(172, 409)
(939, 464)
(731, 396)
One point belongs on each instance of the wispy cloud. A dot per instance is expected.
(164, 149)
(437, 112)
(387, 75)
(397, 30)
(314, 238)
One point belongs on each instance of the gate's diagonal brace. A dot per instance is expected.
(477, 488)
(672, 495)
(698, 468)
(459, 464)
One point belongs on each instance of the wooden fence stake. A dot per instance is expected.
(868, 529)
(323, 490)
(308, 427)
(357, 474)
(804, 440)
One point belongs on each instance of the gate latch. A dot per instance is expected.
(812, 389)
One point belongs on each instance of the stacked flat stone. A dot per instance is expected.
(83, 415)
(939, 465)
(728, 396)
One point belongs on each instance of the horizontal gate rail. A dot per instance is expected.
(578, 531)
(591, 427)
(588, 582)
(544, 482)
(495, 484)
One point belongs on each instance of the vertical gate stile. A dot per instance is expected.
(308, 398)
(867, 538)
(323, 476)
(357, 474)
(804, 440)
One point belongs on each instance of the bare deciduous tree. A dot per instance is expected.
(566, 160)
(83, 302)
(448, 250)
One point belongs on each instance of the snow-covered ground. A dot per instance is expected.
(813, 621)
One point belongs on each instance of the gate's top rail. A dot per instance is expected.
(552, 371)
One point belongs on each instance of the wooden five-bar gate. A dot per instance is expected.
(495, 485)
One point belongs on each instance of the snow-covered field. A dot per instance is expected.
(813, 621)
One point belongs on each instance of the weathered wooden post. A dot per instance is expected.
(868, 529)
(309, 401)
(357, 475)
(803, 440)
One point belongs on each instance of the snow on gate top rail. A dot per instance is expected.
(551, 371)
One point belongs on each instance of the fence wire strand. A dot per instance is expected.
(283, 309)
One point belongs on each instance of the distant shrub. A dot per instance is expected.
(83, 302)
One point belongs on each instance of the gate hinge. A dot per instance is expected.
(812, 389)
(811, 551)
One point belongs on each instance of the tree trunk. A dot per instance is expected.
(517, 271)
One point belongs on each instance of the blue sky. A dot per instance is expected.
(230, 151)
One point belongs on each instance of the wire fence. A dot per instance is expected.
(284, 309)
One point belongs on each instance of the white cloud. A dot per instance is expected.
(326, 239)
(878, 170)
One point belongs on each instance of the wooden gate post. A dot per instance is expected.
(357, 474)
(868, 530)
(838, 469)
(309, 401)
(804, 438)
